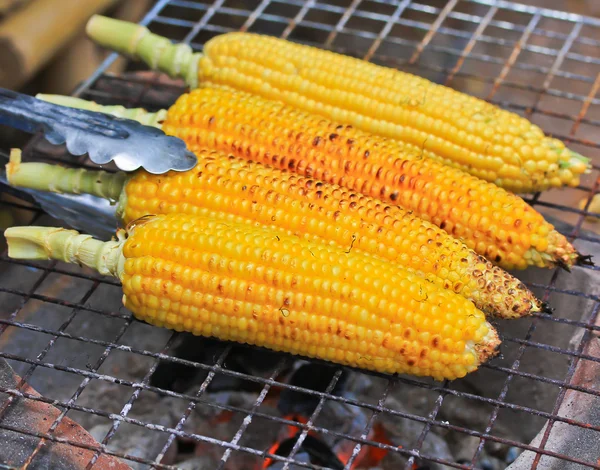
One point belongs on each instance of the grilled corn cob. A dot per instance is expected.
(489, 220)
(229, 188)
(260, 286)
(451, 127)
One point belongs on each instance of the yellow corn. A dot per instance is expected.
(493, 222)
(489, 220)
(229, 188)
(260, 286)
(451, 127)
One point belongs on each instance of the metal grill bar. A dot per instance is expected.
(357, 448)
(501, 398)
(65, 303)
(586, 104)
(134, 396)
(346, 14)
(559, 61)
(550, 92)
(324, 395)
(435, 26)
(582, 343)
(387, 29)
(415, 24)
(546, 84)
(75, 444)
(262, 381)
(193, 403)
(477, 36)
(258, 11)
(564, 352)
(468, 48)
(393, 61)
(305, 427)
(402, 14)
(23, 382)
(297, 19)
(561, 395)
(204, 20)
(427, 428)
(314, 415)
(77, 393)
(405, 42)
(104, 450)
(559, 15)
(248, 419)
(435, 11)
(418, 25)
(45, 351)
(535, 19)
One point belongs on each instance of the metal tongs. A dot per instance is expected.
(104, 138)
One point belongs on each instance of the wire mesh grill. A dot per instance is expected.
(541, 63)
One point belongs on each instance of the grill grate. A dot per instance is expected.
(541, 63)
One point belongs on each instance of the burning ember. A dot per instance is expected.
(316, 451)
(312, 450)
(296, 407)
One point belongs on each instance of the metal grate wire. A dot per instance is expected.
(566, 70)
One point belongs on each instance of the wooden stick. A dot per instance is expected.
(73, 64)
(81, 57)
(32, 36)
(6, 6)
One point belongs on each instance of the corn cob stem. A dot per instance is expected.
(140, 115)
(69, 246)
(136, 41)
(46, 177)
(260, 286)
(137, 114)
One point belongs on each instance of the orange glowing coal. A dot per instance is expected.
(369, 456)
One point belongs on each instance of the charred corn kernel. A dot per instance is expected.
(451, 127)
(228, 264)
(286, 138)
(230, 188)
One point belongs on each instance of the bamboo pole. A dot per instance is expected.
(71, 66)
(81, 57)
(31, 36)
(7, 6)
